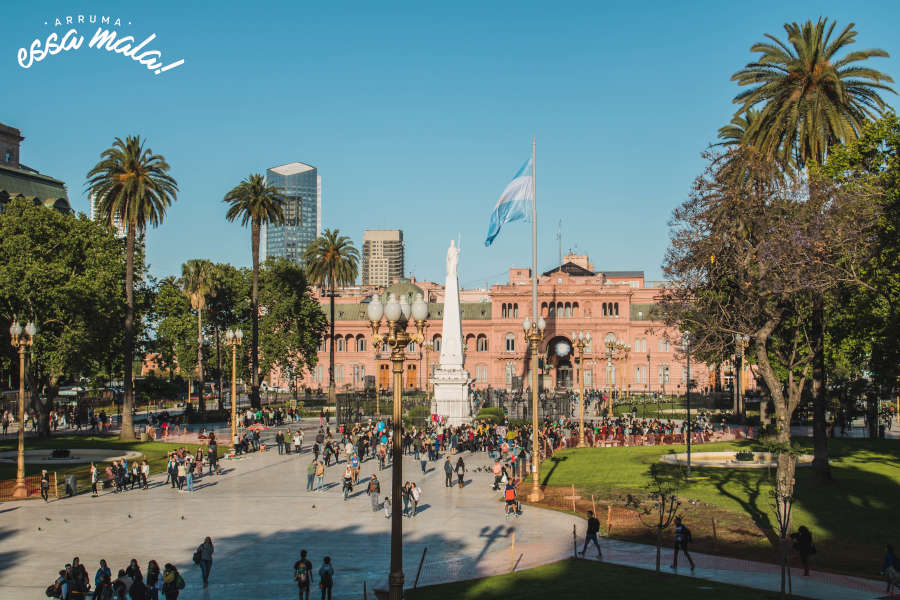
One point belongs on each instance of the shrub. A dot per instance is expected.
(491, 413)
(745, 456)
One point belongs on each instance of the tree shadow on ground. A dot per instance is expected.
(556, 460)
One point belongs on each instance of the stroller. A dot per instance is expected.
(348, 487)
(513, 506)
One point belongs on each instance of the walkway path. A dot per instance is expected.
(260, 515)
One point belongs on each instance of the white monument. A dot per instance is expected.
(451, 380)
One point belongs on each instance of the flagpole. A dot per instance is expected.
(535, 336)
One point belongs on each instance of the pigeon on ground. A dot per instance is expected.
(48, 518)
(182, 517)
(129, 516)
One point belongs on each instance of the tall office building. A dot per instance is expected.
(382, 256)
(117, 220)
(301, 185)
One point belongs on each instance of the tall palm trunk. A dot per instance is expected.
(332, 398)
(254, 318)
(127, 432)
(820, 437)
(201, 404)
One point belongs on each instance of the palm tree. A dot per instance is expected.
(331, 261)
(132, 187)
(810, 99)
(254, 201)
(733, 134)
(198, 282)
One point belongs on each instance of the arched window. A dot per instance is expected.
(341, 345)
(604, 309)
(568, 309)
(616, 308)
(510, 343)
(560, 310)
(503, 311)
(589, 345)
(544, 311)
(470, 341)
(574, 309)
(351, 343)
(436, 340)
(321, 347)
(515, 311)
(482, 343)
(609, 337)
(510, 372)
(411, 347)
(360, 343)
(551, 310)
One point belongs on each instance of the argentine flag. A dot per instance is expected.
(514, 203)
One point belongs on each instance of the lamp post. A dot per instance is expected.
(233, 339)
(397, 338)
(581, 339)
(426, 348)
(22, 339)
(614, 351)
(648, 386)
(741, 342)
(534, 333)
(686, 342)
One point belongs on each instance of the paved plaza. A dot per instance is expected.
(260, 515)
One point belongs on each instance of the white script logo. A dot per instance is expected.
(104, 38)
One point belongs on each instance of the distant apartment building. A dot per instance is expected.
(301, 186)
(382, 257)
(117, 219)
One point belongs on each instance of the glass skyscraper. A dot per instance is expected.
(301, 185)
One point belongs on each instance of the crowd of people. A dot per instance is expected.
(130, 583)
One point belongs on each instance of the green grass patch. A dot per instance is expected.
(851, 517)
(580, 579)
(156, 453)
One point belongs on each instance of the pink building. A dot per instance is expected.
(611, 305)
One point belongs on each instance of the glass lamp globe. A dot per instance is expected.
(392, 309)
(229, 335)
(15, 329)
(542, 324)
(31, 329)
(419, 308)
(526, 324)
(375, 309)
(405, 308)
(238, 334)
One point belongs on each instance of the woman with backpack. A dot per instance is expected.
(683, 537)
(460, 471)
(173, 582)
(326, 578)
(803, 544)
(205, 555)
(154, 580)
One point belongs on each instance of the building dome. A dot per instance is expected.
(403, 287)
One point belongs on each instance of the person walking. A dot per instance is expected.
(45, 485)
(205, 553)
(145, 475)
(182, 475)
(311, 475)
(387, 507)
(682, 539)
(154, 580)
(373, 490)
(497, 470)
(189, 474)
(279, 439)
(326, 578)
(95, 479)
(320, 476)
(803, 544)
(460, 471)
(404, 495)
(593, 528)
(890, 568)
(303, 575)
(414, 494)
(448, 472)
(173, 582)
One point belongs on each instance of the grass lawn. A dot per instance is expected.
(582, 579)
(851, 517)
(156, 454)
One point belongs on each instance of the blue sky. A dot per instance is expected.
(416, 114)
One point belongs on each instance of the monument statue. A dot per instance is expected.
(451, 381)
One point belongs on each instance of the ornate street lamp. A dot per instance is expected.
(686, 343)
(233, 339)
(615, 351)
(581, 339)
(534, 333)
(22, 339)
(397, 339)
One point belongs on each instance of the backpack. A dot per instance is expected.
(510, 494)
(300, 575)
(686, 534)
(53, 590)
(179, 583)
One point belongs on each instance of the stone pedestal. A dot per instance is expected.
(451, 395)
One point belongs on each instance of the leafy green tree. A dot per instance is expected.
(255, 202)
(331, 261)
(131, 185)
(175, 336)
(228, 307)
(809, 99)
(64, 273)
(293, 322)
(198, 283)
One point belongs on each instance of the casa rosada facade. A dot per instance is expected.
(611, 305)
